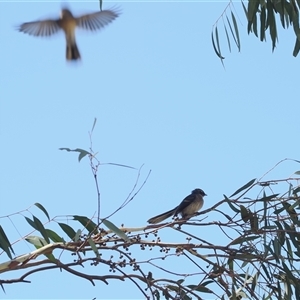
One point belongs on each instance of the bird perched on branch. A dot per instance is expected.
(187, 208)
(68, 23)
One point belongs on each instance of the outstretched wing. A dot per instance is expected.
(40, 28)
(98, 20)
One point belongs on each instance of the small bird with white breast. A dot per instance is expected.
(68, 23)
(188, 207)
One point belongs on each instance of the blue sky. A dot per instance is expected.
(162, 100)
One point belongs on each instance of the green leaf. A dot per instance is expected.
(78, 235)
(296, 190)
(94, 124)
(292, 234)
(252, 11)
(199, 288)
(82, 153)
(228, 201)
(174, 288)
(42, 208)
(289, 249)
(276, 247)
(54, 236)
(231, 30)
(291, 211)
(68, 230)
(217, 39)
(93, 246)
(37, 241)
(289, 274)
(41, 229)
(254, 26)
(266, 272)
(31, 223)
(250, 183)
(227, 36)
(242, 239)
(116, 230)
(245, 213)
(268, 249)
(296, 51)
(272, 24)
(236, 31)
(262, 24)
(280, 232)
(5, 244)
(215, 48)
(268, 198)
(296, 204)
(254, 222)
(280, 8)
(245, 10)
(37, 225)
(87, 223)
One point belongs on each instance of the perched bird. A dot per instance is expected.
(68, 23)
(187, 208)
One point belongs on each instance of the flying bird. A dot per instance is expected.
(68, 23)
(187, 208)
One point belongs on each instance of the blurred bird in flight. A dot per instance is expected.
(68, 23)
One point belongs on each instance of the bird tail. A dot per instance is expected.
(72, 52)
(161, 217)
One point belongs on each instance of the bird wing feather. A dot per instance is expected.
(97, 20)
(40, 28)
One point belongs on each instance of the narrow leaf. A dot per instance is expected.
(262, 24)
(37, 241)
(31, 223)
(245, 10)
(94, 124)
(53, 236)
(250, 183)
(242, 239)
(87, 223)
(5, 244)
(231, 30)
(78, 235)
(93, 246)
(40, 227)
(215, 48)
(42, 208)
(236, 31)
(254, 25)
(227, 36)
(82, 153)
(217, 39)
(68, 230)
(296, 190)
(272, 24)
(200, 288)
(245, 213)
(231, 205)
(295, 53)
(252, 10)
(268, 198)
(116, 230)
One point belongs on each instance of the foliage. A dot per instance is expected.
(253, 252)
(261, 17)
